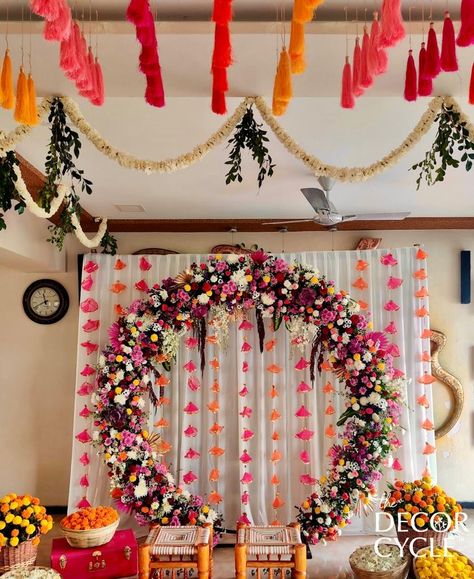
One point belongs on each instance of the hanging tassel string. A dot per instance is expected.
(433, 64)
(347, 94)
(466, 32)
(222, 54)
(366, 79)
(392, 29)
(411, 85)
(449, 61)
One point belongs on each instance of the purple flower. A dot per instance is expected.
(280, 265)
(307, 296)
(221, 266)
(114, 335)
(137, 355)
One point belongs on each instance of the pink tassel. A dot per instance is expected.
(471, 87)
(449, 61)
(425, 84)
(81, 75)
(155, 94)
(189, 477)
(392, 30)
(378, 59)
(90, 347)
(74, 66)
(466, 32)
(67, 53)
(85, 412)
(302, 364)
(356, 86)
(89, 305)
(347, 96)
(84, 460)
(84, 482)
(88, 370)
(98, 99)
(85, 81)
(246, 325)
(85, 389)
(47, 9)
(90, 91)
(366, 79)
(144, 264)
(60, 28)
(83, 503)
(83, 437)
(433, 65)
(91, 326)
(142, 286)
(137, 11)
(411, 89)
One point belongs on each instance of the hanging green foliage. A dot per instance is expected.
(9, 198)
(451, 148)
(249, 135)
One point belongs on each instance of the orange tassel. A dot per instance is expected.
(296, 48)
(22, 108)
(33, 118)
(282, 90)
(429, 449)
(302, 11)
(8, 100)
(278, 502)
(275, 480)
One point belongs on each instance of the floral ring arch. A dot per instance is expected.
(145, 341)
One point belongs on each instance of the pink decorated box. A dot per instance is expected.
(116, 559)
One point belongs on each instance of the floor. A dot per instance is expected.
(328, 562)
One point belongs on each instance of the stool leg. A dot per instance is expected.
(203, 561)
(144, 561)
(241, 561)
(299, 570)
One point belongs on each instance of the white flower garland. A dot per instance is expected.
(63, 196)
(350, 174)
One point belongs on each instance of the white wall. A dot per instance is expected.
(38, 362)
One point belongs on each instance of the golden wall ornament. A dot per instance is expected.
(438, 342)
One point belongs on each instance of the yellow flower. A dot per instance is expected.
(30, 529)
(345, 509)
(187, 288)
(249, 277)
(17, 520)
(118, 390)
(305, 505)
(3, 540)
(331, 290)
(323, 480)
(132, 478)
(154, 338)
(129, 411)
(2, 525)
(25, 522)
(314, 280)
(205, 509)
(164, 521)
(119, 358)
(136, 382)
(14, 541)
(26, 501)
(266, 278)
(13, 505)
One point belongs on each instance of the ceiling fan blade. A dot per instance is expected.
(290, 221)
(348, 218)
(316, 198)
(397, 216)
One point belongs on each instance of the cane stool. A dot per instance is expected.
(270, 548)
(171, 549)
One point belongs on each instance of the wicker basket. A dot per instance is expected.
(21, 557)
(438, 539)
(400, 572)
(415, 572)
(90, 537)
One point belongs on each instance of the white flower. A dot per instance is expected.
(163, 294)
(167, 508)
(203, 299)
(95, 435)
(232, 258)
(267, 299)
(120, 399)
(238, 277)
(141, 490)
(213, 278)
(132, 454)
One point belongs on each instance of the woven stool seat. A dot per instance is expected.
(269, 540)
(176, 540)
(260, 548)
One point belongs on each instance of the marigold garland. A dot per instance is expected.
(145, 341)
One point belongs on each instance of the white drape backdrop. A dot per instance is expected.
(338, 266)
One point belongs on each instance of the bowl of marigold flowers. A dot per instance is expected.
(90, 527)
(422, 513)
(22, 523)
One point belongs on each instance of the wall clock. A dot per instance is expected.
(45, 301)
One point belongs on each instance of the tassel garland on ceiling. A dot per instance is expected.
(347, 96)
(433, 64)
(357, 88)
(366, 79)
(282, 89)
(47, 9)
(466, 32)
(392, 28)
(296, 48)
(449, 61)
(222, 54)
(425, 83)
(99, 96)
(59, 28)
(140, 14)
(471, 86)
(411, 89)
(22, 107)
(8, 94)
(33, 118)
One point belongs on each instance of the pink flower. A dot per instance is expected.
(89, 305)
(394, 282)
(302, 364)
(388, 259)
(87, 283)
(91, 326)
(83, 437)
(191, 408)
(305, 434)
(396, 465)
(91, 266)
(114, 335)
(302, 412)
(90, 347)
(189, 477)
(190, 366)
(247, 478)
(84, 460)
(307, 479)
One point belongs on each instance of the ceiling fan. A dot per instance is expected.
(326, 213)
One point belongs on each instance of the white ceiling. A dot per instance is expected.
(379, 123)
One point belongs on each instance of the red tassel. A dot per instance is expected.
(83, 503)
(466, 32)
(85, 80)
(155, 94)
(411, 91)
(425, 84)
(222, 12)
(449, 61)
(67, 52)
(471, 87)
(433, 65)
(347, 96)
(218, 103)
(366, 79)
(149, 59)
(219, 80)
(99, 97)
(374, 61)
(356, 86)
(76, 55)
(137, 11)
(89, 89)
(392, 29)
(146, 32)
(222, 55)
(47, 9)
(60, 28)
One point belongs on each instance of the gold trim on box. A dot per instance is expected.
(438, 342)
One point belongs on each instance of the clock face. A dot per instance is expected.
(45, 301)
